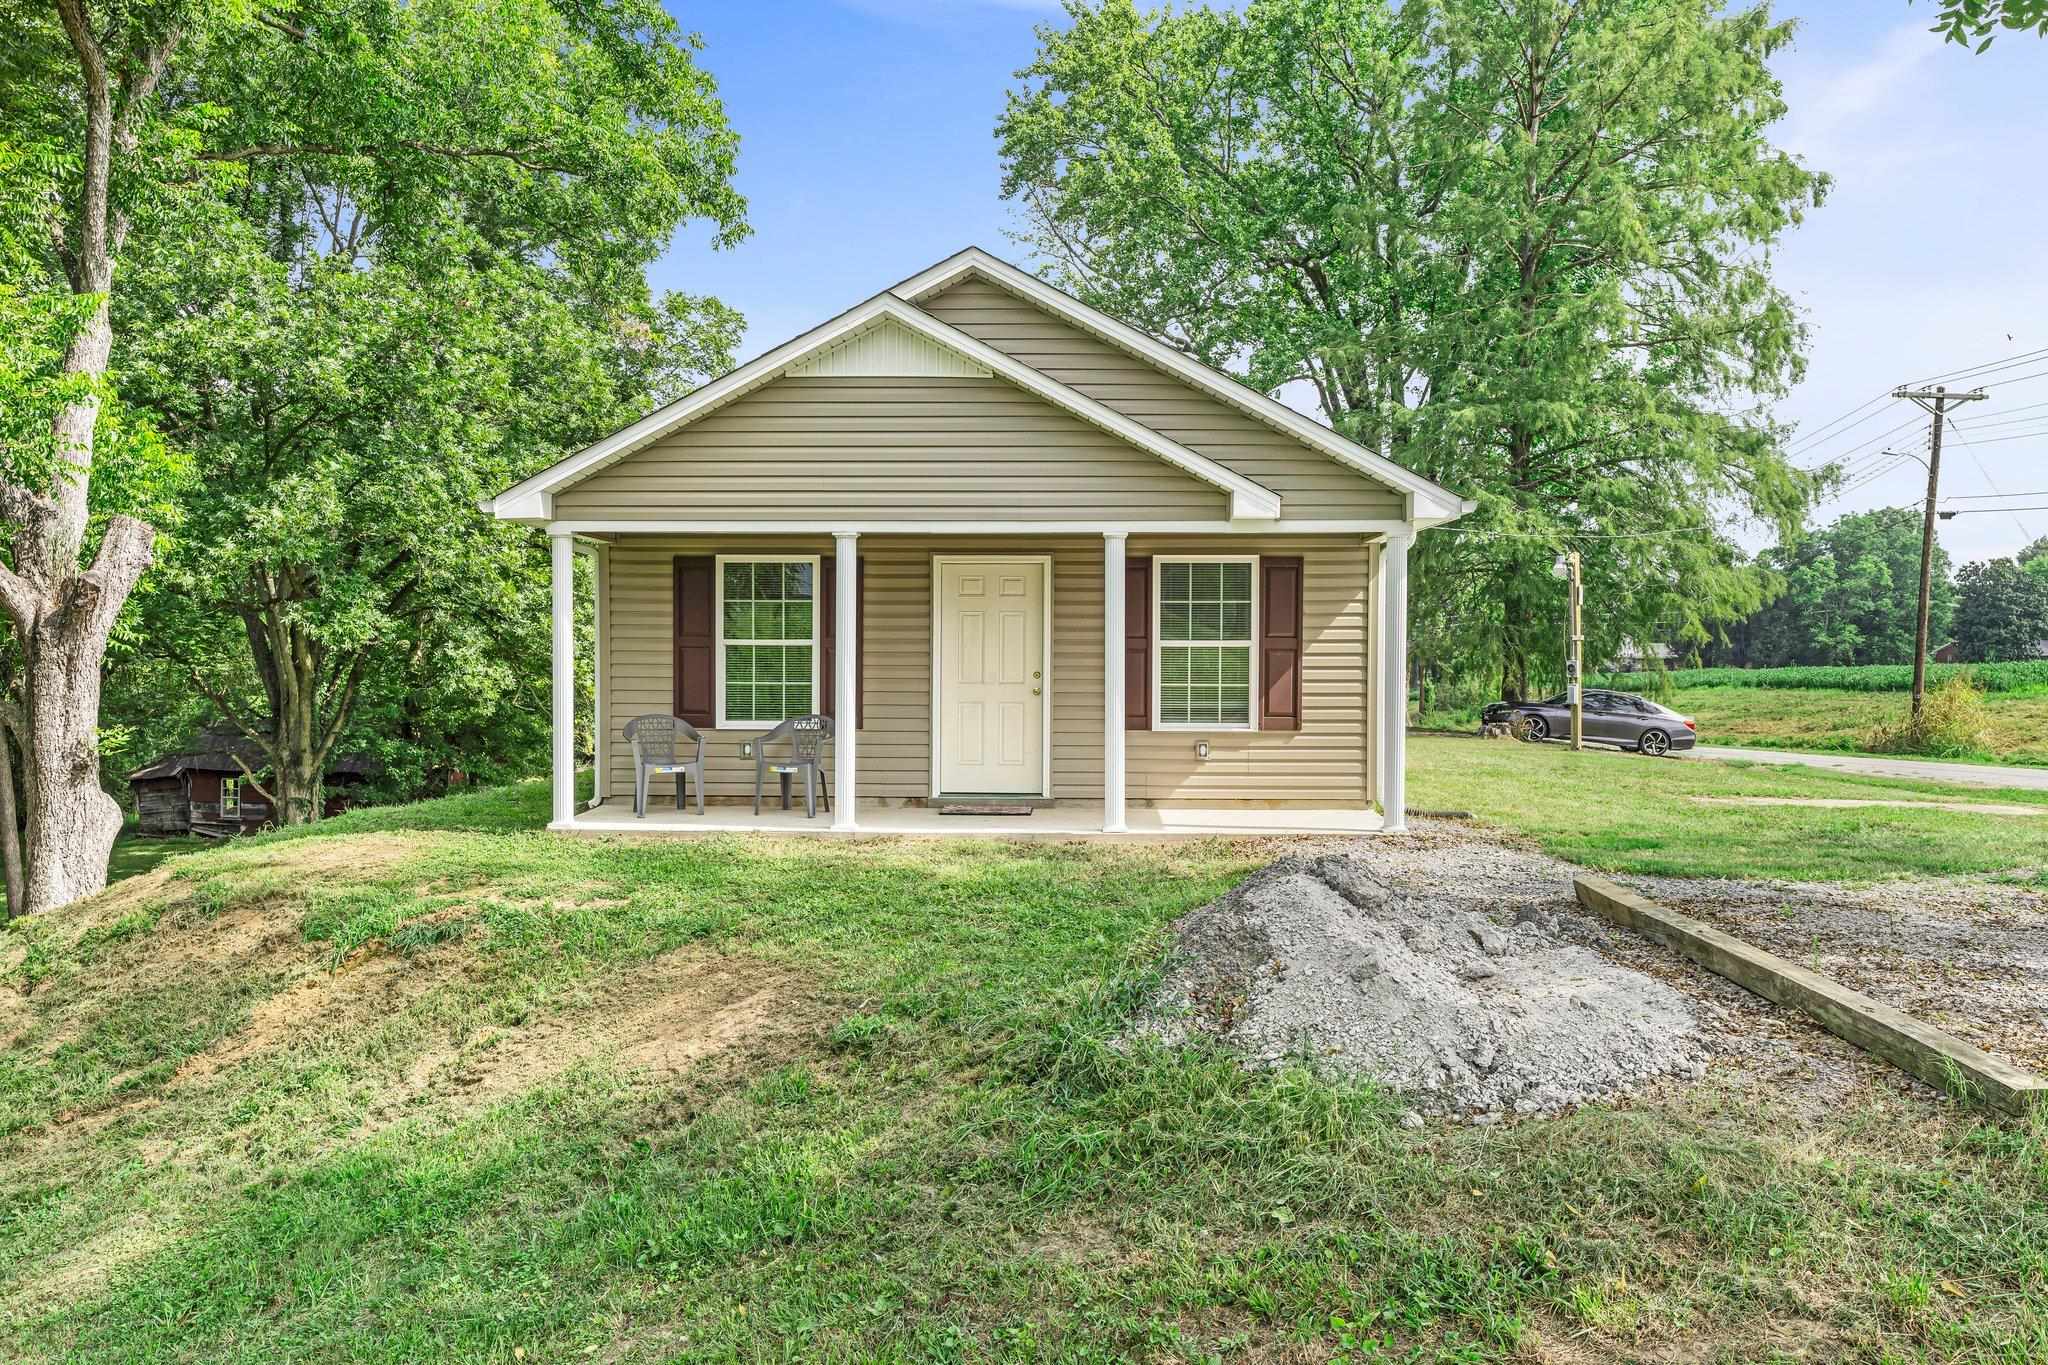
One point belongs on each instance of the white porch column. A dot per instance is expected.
(1113, 608)
(600, 720)
(845, 675)
(564, 584)
(1394, 681)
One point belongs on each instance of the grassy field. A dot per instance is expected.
(1831, 709)
(1816, 718)
(2028, 676)
(416, 1085)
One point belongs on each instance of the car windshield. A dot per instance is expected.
(1559, 700)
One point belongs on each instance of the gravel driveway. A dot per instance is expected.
(1967, 956)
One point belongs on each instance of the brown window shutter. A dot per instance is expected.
(828, 635)
(1280, 643)
(1138, 642)
(828, 640)
(696, 663)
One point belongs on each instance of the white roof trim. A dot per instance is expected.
(1431, 503)
(532, 499)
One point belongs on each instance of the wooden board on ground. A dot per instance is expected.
(1943, 1061)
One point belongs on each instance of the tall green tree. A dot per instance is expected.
(1521, 246)
(571, 135)
(1851, 595)
(346, 417)
(2001, 610)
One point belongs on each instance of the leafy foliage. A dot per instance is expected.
(389, 259)
(1978, 21)
(2002, 607)
(1851, 595)
(1522, 248)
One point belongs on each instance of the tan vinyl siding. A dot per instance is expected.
(926, 449)
(1325, 763)
(1309, 483)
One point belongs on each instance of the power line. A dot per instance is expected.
(2006, 422)
(1807, 439)
(1842, 456)
(1993, 412)
(1988, 367)
(2021, 378)
(2016, 436)
(1989, 482)
(1973, 497)
(1974, 511)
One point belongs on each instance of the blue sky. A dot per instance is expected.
(868, 152)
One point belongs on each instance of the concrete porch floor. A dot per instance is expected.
(1052, 822)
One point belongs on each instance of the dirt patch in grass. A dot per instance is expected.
(81, 1269)
(656, 1023)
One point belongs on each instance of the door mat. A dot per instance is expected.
(984, 809)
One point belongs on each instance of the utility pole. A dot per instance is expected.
(1938, 401)
(1568, 566)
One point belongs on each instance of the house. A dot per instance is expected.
(1630, 657)
(205, 789)
(1023, 553)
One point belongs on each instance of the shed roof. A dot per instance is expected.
(216, 751)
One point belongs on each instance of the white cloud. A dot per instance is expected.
(1845, 120)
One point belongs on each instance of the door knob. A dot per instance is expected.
(1036, 691)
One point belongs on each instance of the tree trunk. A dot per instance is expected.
(61, 615)
(62, 618)
(10, 828)
(291, 663)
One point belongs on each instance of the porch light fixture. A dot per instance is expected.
(1201, 748)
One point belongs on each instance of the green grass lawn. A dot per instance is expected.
(1627, 813)
(136, 853)
(934, 1151)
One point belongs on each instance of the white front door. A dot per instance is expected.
(990, 700)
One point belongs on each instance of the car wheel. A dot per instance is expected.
(1655, 743)
(1532, 729)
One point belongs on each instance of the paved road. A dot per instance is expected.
(1964, 774)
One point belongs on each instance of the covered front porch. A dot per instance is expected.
(1104, 757)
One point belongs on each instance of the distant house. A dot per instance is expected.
(1631, 657)
(1948, 653)
(204, 788)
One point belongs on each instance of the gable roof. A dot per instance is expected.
(1431, 503)
(223, 750)
(531, 500)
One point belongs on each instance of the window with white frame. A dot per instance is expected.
(767, 639)
(1203, 636)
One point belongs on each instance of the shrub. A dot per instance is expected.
(1950, 725)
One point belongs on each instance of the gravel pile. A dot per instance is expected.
(1319, 959)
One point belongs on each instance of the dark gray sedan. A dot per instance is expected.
(1619, 718)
